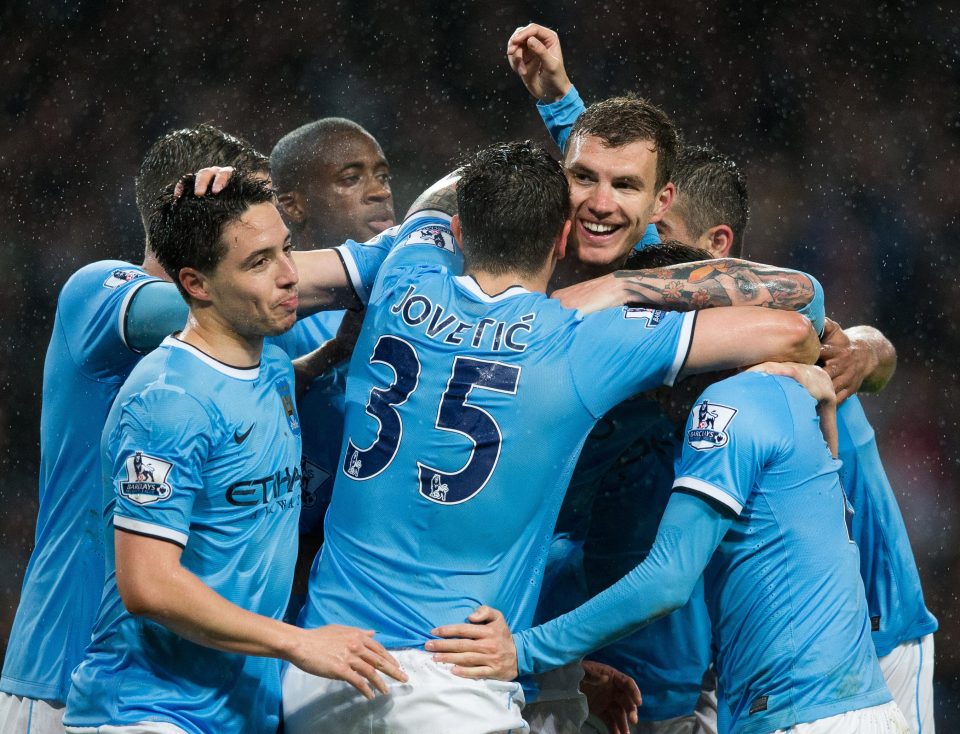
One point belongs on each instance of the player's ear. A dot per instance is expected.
(456, 229)
(663, 202)
(718, 240)
(561, 246)
(293, 206)
(195, 283)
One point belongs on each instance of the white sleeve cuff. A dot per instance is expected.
(709, 490)
(139, 527)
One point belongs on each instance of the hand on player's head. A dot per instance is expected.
(218, 176)
(534, 54)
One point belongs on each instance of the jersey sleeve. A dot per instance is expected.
(559, 116)
(155, 311)
(93, 311)
(735, 428)
(688, 534)
(815, 310)
(619, 352)
(156, 453)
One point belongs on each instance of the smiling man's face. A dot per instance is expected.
(613, 197)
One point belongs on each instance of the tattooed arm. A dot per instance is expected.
(696, 285)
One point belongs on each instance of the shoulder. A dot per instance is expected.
(109, 275)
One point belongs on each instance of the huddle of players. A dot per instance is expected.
(418, 324)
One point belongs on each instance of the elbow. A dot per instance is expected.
(676, 593)
(800, 342)
(141, 599)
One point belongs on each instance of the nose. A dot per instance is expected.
(288, 275)
(601, 202)
(379, 190)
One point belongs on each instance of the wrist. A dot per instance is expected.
(556, 93)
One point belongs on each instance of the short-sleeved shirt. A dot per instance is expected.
(894, 596)
(783, 588)
(465, 413)
(87, 360)
(206, 456)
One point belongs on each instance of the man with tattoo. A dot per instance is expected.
(468, 399)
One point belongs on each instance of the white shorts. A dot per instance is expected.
(883, 719)
(21, 715)
(908, 670)
(434, 700)
(560, 708)
(144, 727)
(677, 725)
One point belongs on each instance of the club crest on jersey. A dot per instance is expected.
(122, 275)
(289, 409)
(312, 479)
(438, 490)
(651, 315)
(434, 235)
(146, 480)
(709, 426)
(355, 465)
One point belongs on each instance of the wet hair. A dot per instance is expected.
(513, 199)
(619, 121)
(180, 152)
(187, 231)
(298, 151)
(711, 191)
(668, 253)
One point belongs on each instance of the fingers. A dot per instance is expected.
(483, 671)
(520, 37)
(469, 659)
(451, 645)
(366, 670)
(357, 681)
(218, 176)
(386, 664)
(484, 614)
(468, 631)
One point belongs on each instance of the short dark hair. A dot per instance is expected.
(619, 121)
(186, 151)
(512, 199)
(662, 255)
(298, 150)
(711, 191)
(187, 231)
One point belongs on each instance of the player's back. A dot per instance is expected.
(86, 362)
(465, 415)
(783, 588)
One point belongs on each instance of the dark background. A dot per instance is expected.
(845, 119)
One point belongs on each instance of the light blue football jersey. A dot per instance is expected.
(86, 363)
(206, 456)
(321, 415)
(668, 657)
(465, 413)
(894, 597)
(783, 588)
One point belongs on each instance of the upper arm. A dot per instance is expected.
(155, 310)
(142, 565)
(325, 281)
(619, 352)
(739, 336)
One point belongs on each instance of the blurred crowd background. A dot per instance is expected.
(845, 120)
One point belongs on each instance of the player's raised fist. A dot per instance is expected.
(534, 53)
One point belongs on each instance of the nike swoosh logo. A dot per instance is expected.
(241, 437)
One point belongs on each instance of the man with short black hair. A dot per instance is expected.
(464, 390)
(108, 314)
(199, 571)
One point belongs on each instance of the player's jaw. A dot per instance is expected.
(379, 220)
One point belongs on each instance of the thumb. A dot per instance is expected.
(542, 52)
(482, 614)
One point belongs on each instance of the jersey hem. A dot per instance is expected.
(809, 714)
(37, 692)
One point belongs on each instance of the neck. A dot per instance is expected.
(208, 333)
(152, 267)
(493, 284)
(571, 271)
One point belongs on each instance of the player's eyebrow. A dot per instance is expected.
(251, 258)
(635, 181)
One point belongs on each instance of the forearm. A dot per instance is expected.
(690, 531)
(558, 116)
(713, 283)
(193, 610)
(879, 351)
(324, 282)
(310, 366)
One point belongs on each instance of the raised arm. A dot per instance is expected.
(696, 285)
